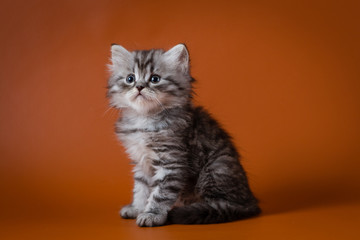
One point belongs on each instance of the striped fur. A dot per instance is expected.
(186, 168)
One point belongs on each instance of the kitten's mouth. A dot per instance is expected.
(139, 96)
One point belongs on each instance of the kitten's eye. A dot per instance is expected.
(155, 79)
(130, 79)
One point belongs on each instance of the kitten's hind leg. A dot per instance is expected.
(224, 192)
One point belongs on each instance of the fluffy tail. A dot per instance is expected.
(205, 213)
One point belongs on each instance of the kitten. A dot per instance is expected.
(187, 169)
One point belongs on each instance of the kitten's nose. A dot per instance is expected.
(139, 88)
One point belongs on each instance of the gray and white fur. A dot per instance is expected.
(186, 168)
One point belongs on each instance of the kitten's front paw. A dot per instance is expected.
(129, 212)
(150, 219)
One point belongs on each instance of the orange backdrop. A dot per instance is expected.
(282, 76)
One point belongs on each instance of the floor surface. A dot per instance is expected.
(328, 222)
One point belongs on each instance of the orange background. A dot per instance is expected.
(282, 76)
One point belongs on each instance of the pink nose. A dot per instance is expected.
(140, 88)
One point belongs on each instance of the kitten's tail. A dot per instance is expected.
(205, 213)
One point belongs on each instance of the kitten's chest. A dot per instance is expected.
(137, 147)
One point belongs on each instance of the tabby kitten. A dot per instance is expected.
(187, 169)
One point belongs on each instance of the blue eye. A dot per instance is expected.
(130, 79)
(155, 79)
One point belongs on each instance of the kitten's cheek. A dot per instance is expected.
(118, 101)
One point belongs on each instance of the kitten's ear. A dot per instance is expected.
(119, 56)
(178, 56)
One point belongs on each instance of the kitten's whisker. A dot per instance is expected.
(164, 108)
(107, 110)
(115, 112)
(153, 96)
(111, 111)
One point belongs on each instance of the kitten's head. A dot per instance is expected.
(149, 81)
